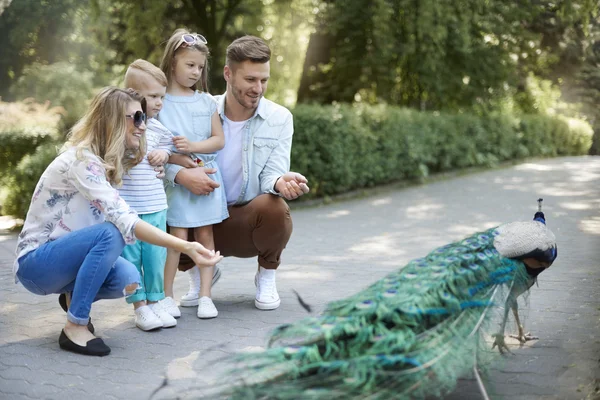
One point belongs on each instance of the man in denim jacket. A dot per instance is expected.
(255, 166)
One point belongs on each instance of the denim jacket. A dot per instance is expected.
(266, 149)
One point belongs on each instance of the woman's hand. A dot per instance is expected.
(201, 256)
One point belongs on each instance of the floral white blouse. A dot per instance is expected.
(73, 194)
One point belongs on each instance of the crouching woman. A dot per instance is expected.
(77, 225)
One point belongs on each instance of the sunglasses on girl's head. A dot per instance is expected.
(191, 39)
(138, 118)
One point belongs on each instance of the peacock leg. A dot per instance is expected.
(499, 337)
(522, 337)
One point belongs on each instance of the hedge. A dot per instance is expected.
(340, 148)
(344, 147)
(21, 182)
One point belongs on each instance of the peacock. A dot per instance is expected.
(411, 334)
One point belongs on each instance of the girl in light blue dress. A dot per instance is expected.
(191, 115)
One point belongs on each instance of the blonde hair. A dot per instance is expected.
(138, 73)
(247, 48)
(168, 61)
(102, 130)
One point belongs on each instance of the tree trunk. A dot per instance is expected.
(318, 52)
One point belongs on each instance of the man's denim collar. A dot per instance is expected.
(261, 110)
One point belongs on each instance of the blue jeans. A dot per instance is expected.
(150, 262)
(86, 262)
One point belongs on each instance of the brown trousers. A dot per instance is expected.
(260, 228)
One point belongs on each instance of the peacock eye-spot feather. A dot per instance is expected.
(481, 256)
(365, 304)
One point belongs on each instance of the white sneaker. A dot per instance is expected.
(267, 297)
(206, 308)
(190, 299)
(170, 306)
(167, 319)
(146, 320)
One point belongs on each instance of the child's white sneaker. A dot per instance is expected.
(170, 306)
(206, 308)
(190, 299)
(167, 319)
(146, 320)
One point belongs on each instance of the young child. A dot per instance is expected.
(145, 193)
(191, 114)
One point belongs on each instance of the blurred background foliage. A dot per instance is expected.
(459, 60)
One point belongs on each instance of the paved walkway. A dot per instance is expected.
(335, 251)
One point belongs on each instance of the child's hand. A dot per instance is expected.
(182, 144)
(158, 157)
(160, 171)
(183, 160)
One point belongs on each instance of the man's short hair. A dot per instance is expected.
(247, 48)
(138, 73)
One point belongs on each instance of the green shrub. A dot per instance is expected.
(23, 127)
(344, 147)
(21, 183)
(45, 83)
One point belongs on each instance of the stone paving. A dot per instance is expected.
(335, 251)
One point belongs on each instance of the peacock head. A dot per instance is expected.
(531, 242)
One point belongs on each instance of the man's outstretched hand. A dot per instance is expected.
(292, 185)
(197, 181)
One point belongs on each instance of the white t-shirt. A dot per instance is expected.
(229, 158)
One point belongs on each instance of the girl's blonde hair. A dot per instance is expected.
(103, 129)
(171, 50)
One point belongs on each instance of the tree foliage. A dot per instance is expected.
(453, 55)
(449, 54)
(140, 29)
(30, 31)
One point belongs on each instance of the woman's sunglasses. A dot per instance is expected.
(191, 39)
(138, 118)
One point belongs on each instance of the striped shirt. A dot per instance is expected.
(141, 189)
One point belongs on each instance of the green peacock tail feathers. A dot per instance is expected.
(411, 334)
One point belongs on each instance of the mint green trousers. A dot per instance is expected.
(150, 262)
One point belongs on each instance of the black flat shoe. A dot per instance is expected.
(94, 347)
(62, 300)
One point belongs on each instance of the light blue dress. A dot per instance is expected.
(190, 116)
